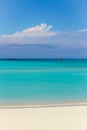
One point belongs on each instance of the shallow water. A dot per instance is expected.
(43, 81)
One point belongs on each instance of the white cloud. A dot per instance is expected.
(82, 31)
(42, 30)
(42, 34)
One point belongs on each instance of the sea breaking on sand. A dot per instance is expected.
(65, 104)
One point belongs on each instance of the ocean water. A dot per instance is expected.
(43, 81)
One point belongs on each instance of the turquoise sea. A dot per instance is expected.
(43, 81)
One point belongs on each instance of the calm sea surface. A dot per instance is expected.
(43, 81)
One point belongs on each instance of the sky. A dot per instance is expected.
(43, 28)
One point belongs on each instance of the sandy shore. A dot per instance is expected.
(44, 118)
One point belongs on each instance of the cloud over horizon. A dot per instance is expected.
(42, 34)
(42, 30)
(34, 35)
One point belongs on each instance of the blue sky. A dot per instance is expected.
(43, 28)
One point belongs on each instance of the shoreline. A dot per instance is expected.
(4, 106)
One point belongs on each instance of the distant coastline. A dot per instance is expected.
(42, 59)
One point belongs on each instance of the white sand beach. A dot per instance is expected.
(44, 118)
